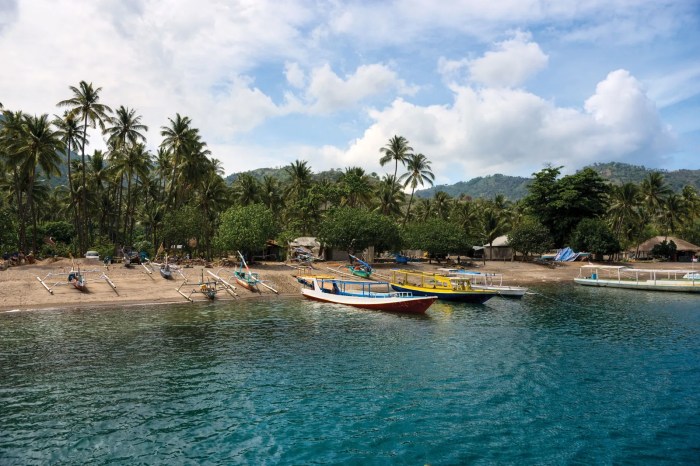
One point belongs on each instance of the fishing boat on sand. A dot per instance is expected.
(376, 296)
(442, 286)
(361, 268)
(614, 276)
(245, 278)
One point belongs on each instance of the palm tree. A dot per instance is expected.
(299, 179)
(418, 173)
(389, 196)
(397, 150)
(442, 204)
(674, 212)
(178, 139)
(85, 104)
(246, 189)
(654, 191)
(492, 226)
(356, 186)
(71, 132)
(624, 208)
(38, 149)
(214, 196)
(271, 193)
(126, 128)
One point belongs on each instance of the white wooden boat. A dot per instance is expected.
(488, 282)
(366, 295)
(614, 276)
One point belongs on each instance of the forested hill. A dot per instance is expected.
(620, 173)
(513, 187)
(280, 174)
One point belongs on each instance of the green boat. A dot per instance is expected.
(361, 269)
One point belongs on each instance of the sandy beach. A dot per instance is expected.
(21, 290)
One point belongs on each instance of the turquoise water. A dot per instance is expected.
(575, 375)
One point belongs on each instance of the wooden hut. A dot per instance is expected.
(684, 250)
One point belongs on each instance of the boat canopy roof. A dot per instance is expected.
(632, 269)
(608, 267)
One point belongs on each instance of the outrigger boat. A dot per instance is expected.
(365, 295)
(246, 279)
(362, 269)
(613, 276)
(442, 286)
(488, 282)
(206, 287)
(76, 278)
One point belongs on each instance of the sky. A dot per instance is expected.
(478, 86)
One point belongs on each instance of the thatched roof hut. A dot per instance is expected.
(683, 247)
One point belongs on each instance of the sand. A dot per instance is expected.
(21, 290)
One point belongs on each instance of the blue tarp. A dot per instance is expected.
(567, 255)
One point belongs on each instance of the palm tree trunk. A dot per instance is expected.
(83, 241)
(128, 203)
(408, 210)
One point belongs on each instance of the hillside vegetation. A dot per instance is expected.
(513, 187)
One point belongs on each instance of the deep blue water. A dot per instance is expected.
(572, 376)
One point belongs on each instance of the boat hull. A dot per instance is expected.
(514, 292)
(245, 284)
(415, 305)
(647, 285)
(167, 274)
(473, 296)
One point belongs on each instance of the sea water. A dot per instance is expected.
(568, 375)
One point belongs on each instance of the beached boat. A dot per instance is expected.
(487, 281)
(442, 286)
(165, 270)
(77, 279)
(361, 269)
(245, 278)
(614, 276)
(376, 296)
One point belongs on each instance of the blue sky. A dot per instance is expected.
(479, 87)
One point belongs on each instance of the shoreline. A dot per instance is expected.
(21, 291)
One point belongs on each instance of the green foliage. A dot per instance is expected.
(59, 230)
(436, 236)
(664, 250)
(103, 246)
(354, 229)
(594, 236)
(560, 204)
(8, 232)
(181, 225)
(691, 232)
(145, 246)
(530, 237)
(246, 228)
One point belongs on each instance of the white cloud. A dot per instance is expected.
(328, 92)
(498, 130)
(511, 64)
(294, 74)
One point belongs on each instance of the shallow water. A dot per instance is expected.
(572, 375)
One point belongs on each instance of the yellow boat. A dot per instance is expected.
(442, 286)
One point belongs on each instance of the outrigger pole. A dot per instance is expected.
(45, 286)
(110, 282)
(227, 286)
(183, 294)
(268, 287)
